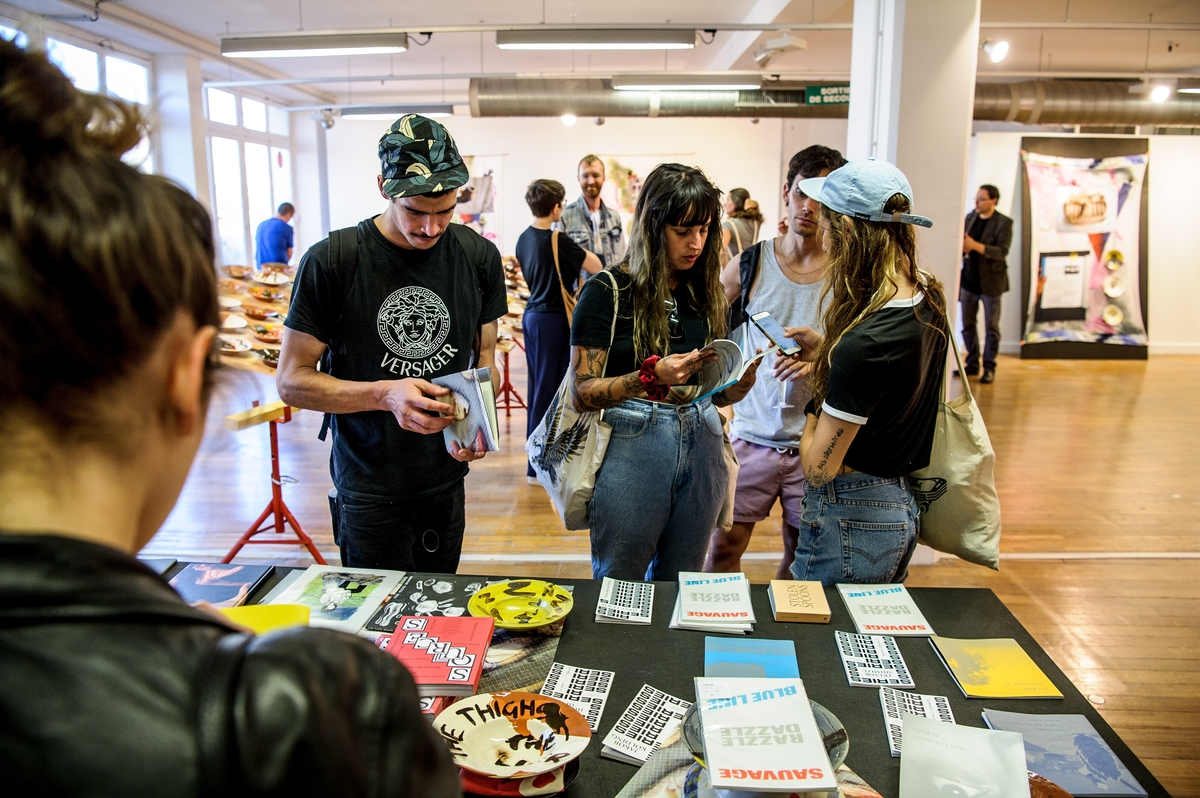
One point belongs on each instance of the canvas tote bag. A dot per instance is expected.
(567, 447)
(956, 493)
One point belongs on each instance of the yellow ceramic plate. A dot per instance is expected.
(521, 603)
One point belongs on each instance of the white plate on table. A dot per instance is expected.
(232, 345)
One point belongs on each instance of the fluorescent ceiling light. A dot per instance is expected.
(317, 44)
(571, 39)
(394, 112)
(661, 82)
(1188, 86)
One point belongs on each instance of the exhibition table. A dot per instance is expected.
(670, 659)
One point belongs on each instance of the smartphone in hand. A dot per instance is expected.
(775, 332)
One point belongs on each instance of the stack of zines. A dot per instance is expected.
(625, 602)
(713, 603)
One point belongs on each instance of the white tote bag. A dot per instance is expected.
(960, 511)
(567, 447)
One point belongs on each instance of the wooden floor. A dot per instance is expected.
(1098, 468)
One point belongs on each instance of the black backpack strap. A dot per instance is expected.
(747, 273)
(343, 260)
(216, 687)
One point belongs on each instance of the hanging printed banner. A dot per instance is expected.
(1085, 216)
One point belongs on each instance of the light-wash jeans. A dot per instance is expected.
(857, 528)
(659, 490)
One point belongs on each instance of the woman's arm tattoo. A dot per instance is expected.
(820, 474)
(591, 389)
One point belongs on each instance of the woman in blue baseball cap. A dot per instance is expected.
(876, 380)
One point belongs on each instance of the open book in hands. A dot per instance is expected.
(474, 402)
(731, 363)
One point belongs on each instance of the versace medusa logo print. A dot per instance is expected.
(413, 322)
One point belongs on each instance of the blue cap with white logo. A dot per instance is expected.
(861, 188)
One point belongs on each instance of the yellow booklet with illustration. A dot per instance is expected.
(993, 668)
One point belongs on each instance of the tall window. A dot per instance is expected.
(251, 168)
(120, 76)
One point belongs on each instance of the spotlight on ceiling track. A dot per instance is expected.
(313, 44)
(995, 51)
(1159, 94)
(568, 119)
(617, 39)
(780, 44)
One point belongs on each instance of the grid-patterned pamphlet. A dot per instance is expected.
(644, 725)
(625, 602)
(873, 661)
(585, 689)
(897, 702)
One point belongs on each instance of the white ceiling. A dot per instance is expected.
(828, 52)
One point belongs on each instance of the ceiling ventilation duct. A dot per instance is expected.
(1053, 102)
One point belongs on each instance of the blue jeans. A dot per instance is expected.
(991, 322)
(659, 490)
(857, 528)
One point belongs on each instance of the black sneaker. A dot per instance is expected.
(970, 371)
(989, 376)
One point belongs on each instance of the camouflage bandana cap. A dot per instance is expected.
(418, 156)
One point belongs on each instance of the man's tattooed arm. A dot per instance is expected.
(591, 390)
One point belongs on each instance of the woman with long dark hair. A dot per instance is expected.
(876, 380)
(112, 684)
(663, 480)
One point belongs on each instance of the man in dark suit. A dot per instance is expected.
(987, 235)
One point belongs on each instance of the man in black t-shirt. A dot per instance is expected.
(987, 235)
(404, 297)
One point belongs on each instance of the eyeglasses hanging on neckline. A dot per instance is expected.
(674, 326)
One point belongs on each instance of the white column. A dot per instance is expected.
(182, 153)
(876, 47)
(912, 96)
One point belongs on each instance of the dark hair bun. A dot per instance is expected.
(40, 109)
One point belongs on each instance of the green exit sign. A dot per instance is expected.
(827, 95)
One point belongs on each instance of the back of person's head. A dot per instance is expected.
(865, 262)
(543, 195)
(674, 195)
(811, 160)
(97, 262)
(285, 209)
(743, 206)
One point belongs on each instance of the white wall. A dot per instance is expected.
(1172, 258)
(732, 152)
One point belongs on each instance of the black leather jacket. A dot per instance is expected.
(99, 666)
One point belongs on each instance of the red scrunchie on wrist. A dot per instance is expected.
(646, 376)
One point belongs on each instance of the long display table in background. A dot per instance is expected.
(670, 659)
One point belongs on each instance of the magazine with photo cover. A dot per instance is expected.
(339, 597)
(474, 399)
(220, 585)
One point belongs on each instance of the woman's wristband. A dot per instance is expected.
(649, 380)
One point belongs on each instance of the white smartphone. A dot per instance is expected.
(775, 332)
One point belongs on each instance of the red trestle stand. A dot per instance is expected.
(507, 397)
(276, 507)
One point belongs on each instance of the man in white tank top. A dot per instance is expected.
(767, 424)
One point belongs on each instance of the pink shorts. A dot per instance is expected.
(764, 475)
